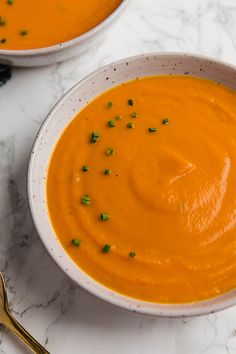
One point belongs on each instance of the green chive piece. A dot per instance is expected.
(24, 33)
(85, 168)
(105, 217)
(152, 130)
(109, 104)
(107, 172)
(130, 102)
(3, 40)
(165, 121)
(106, 248)
(118, 117)
(130, 125)
(110, 152)
(95, 136)
(132, 254)
(134, 114)
(85, 200)
(2, 22)
(76, 242)
(10, 2)
(111, 123)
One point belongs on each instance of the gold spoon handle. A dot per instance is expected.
(20, 332)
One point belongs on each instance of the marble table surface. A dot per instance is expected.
(59, 314)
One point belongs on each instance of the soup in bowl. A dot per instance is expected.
(41, 32)
(131, 184)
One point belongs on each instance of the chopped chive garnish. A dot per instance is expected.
(10, 2)
(85, 168)
(130, 125)
(2, 22)
(118, 117)
(95, 136)
(130, 102)
(134, 114)
(85, 200)
(165, 121)
(76, 242)
(109, 104)
(106, 248)
(24, 33)
(152, 130)
(107, 171)
(111, 123)
(3, 40)
(132, 254)
(105, 217)
(110, 152)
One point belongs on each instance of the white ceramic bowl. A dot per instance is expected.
(65, 50)
(62, 114)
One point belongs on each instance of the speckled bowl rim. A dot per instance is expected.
(109, 296)
(69, 43)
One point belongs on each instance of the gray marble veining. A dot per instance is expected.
(44, 300)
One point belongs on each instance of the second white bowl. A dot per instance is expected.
(62, 51)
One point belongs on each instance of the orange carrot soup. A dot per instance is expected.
(28, 24)
(141, 189)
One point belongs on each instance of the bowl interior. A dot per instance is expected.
(51, 130)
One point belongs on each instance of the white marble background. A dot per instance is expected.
(60, 315)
